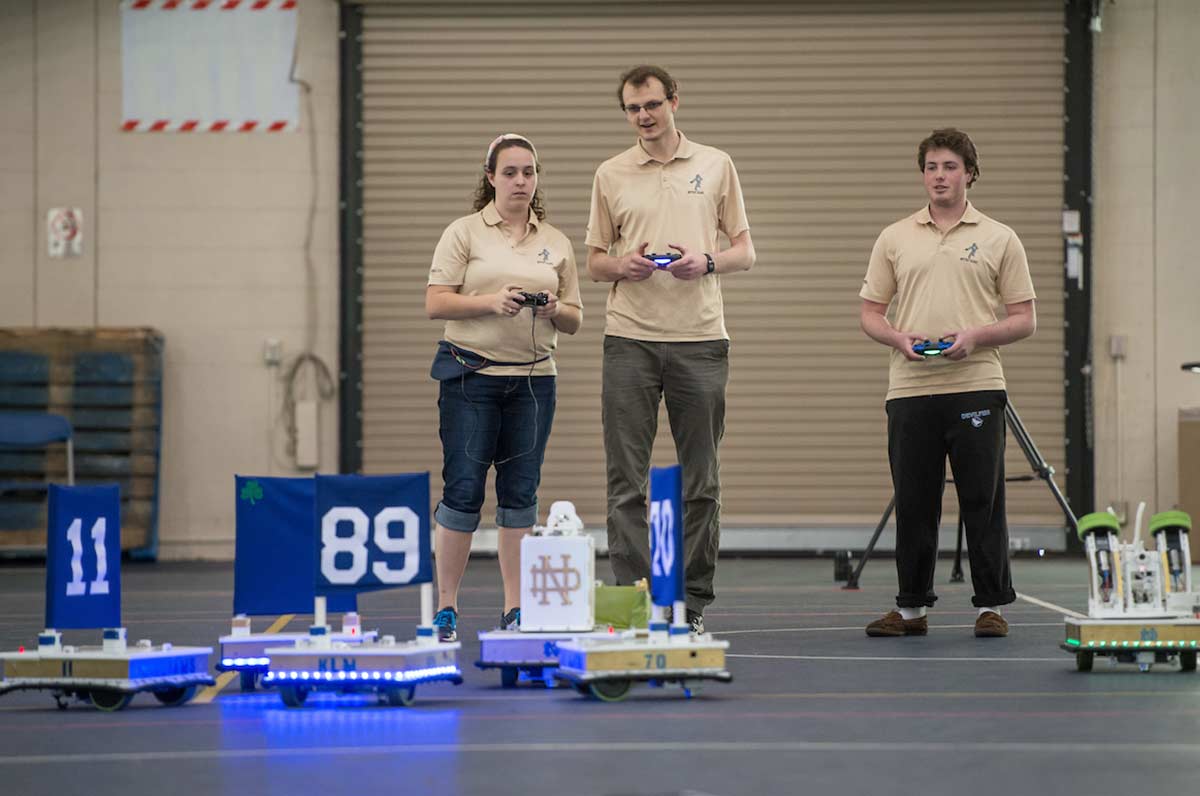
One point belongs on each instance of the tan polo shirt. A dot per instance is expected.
(687, 201)
(475, 255)
(943, 282)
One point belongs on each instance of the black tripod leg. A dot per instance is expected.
(852, 583)
(1040, 467)
(956, 574)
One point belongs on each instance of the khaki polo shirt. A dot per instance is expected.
(689, 200)
(938, 283)
(475, 255)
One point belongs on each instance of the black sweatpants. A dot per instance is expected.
(968, 427)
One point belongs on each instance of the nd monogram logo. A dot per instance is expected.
(562, 580)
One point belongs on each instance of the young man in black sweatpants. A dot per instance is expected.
(943, 271)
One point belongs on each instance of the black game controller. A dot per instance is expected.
(930, 349)
(663, 260)
(534, 299)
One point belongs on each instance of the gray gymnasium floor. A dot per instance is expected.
(815, 706)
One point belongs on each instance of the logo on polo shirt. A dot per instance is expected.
(696, 182)
(544, 257)
(976, 418)
(970, 250)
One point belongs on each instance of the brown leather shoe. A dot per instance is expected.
(893, 624)
(990, 625)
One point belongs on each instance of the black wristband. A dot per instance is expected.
(712, 265)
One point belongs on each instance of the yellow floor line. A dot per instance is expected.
(210, 693)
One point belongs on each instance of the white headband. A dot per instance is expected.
(507, 137)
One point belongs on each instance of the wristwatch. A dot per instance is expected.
(712, 265)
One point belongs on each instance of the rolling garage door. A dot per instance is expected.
(821, 106)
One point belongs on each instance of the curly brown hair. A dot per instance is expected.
(957, 142)
(639, 75)
(485, 192)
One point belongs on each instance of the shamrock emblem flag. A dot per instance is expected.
(252, 491)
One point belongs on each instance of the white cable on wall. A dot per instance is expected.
(307, 359)
(1116, 352)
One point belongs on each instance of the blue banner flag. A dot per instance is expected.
(83, 557)
(372, 532)
(666, 535)
(274, 550)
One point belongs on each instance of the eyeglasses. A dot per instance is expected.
(650, 106)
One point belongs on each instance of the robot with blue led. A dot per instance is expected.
(606, 668)
(372, 532)
(83, 591)
(274, 534)
(1141, 604)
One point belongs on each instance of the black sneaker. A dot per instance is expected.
(511, 620)
(445, 624)
(695, 621)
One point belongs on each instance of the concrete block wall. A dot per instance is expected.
(201, 236)
(198, 235)
(1146, 270)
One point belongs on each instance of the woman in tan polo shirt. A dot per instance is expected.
(505, 282)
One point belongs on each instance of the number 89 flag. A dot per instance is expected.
(83, 557)
(666, 535)
(372, 532)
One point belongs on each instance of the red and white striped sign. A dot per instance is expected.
(202, 126)
(208, 66)
(221, 5)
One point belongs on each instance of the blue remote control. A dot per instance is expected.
(930, 349)
(662, 260)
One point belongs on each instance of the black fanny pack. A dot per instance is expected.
(451, 361)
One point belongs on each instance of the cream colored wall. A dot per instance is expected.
(199, 236)
(17, 268)
(1146, 277)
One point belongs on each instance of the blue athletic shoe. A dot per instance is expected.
(511, 620)
(445, 623)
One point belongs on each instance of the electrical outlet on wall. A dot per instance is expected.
(1118, 345)
(272, 352)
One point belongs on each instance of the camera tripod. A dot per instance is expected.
(1041, 470)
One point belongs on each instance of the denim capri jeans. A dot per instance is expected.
(486, 420)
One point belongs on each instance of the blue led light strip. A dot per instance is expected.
(395, 677)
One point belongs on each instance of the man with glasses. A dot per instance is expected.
(665, 332)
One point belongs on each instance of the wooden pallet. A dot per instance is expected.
(108, 383)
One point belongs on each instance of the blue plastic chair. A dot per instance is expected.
(36, 430)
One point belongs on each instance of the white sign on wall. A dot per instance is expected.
(64, 232)
(208, 66)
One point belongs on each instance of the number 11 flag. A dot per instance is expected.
(83, 557)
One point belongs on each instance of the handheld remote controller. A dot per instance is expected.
(931, 349)
(534, 299)
(663, 260)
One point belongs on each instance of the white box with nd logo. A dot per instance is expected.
(558, 575)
